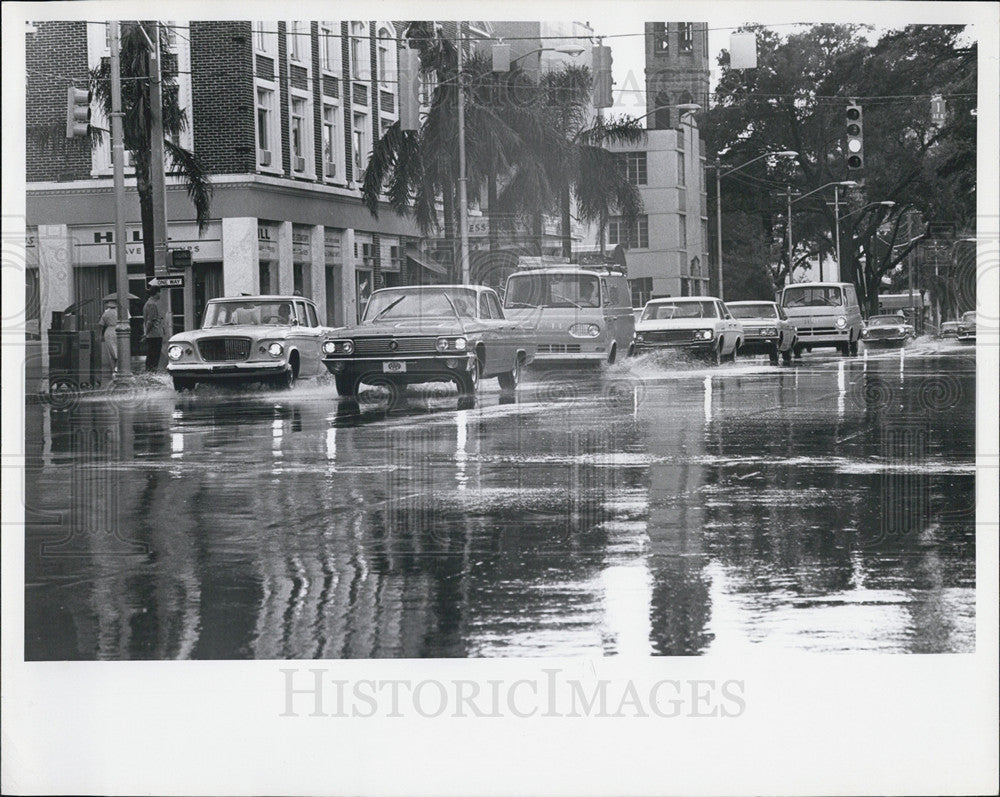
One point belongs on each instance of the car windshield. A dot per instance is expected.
(762, 310)
(421, 304)
(816, 296)
(885, 321)
(692, 309)
(251, 311)
(553, 290)
(971, 316)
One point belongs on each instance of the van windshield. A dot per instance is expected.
(762, 310)
(553, 290)
(814, 296)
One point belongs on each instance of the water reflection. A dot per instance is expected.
(826, 508)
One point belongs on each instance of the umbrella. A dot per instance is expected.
(114, 297)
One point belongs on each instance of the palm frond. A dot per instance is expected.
(196, 180)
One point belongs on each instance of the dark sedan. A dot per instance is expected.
(887, 330)
(967, 327)
(439, 333)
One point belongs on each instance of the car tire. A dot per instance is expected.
(468, 382)
(853, 347)
(347, 386)
(845, 349)
(735, 353)
(715, 358)
(182, 383)
(613, 354)
(772, 355)
(286, 379)
(786, 356)
(797, 351)
(509, 381)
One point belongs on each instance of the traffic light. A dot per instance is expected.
(601, 61)
(77, 112)
(409, 89)
(855, 138)
(179, 259)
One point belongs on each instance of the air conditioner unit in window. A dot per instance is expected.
(299, 164)
(264, 157)
(331, 169)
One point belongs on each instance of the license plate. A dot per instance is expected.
(393, 367)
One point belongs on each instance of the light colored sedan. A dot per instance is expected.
(269, 339)
(766, 329)
(700, 325)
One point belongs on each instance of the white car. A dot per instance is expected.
(700, 325)
(269, 339)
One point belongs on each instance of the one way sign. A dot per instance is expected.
(170, 282)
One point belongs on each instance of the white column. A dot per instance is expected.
(286, 277)
(240, 256)
(317, 246)
(347, 289)
(55, 278)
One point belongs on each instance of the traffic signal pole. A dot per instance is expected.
(123, 329)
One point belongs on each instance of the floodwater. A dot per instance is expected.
(655, 508)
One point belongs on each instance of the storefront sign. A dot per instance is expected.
(301, 244)
(267, 240)
(332, 247)
(94, 245)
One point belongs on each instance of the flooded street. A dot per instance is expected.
(657, 508)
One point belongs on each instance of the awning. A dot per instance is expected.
(421, 260)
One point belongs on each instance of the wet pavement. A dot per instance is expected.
(655, 508)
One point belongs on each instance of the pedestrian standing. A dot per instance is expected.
(109, 337)
(152, 326)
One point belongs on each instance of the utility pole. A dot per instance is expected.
(718, 222)
(156, 175)
(836, 225)
(463, 200)
(123, 329)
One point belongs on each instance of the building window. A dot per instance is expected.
(704, 235)
(267, 139)
(265, 38)
(634, 237)
(329, 47)
(360, 65)
(635, 167)
(686, 37)
(387, 59)
(681, 172)
(333, 143)
(682, 230)
(359, 138)
(642, 290)
(297, 41)
(300, 138)
(661, 42)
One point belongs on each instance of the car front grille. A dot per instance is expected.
(668, 336)
(558, 348)
(367, 347)
(224, 349)
(874, 333)
(805, 332)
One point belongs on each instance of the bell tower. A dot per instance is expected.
(676, 70)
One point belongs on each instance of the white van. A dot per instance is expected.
(825, 314)
(580, 314)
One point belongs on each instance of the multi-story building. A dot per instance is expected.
(283, 115)
(668, 247)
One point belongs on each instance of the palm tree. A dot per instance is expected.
(137, 125)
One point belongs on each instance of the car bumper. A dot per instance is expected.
(968, 337)
(809, 338)
(418, 367)
(205, 372)
(759, 345)
(700, 346)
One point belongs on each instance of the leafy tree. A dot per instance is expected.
(137, 124)
(796, 99)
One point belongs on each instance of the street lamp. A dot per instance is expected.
(719, 174)
(501, 53)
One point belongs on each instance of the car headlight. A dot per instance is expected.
(338, 347)
(703, 334)
(175, 352)
(584, 330)
(275, 349)
(640, 338)
(864, 333)
(841, 321)
(451, 344)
